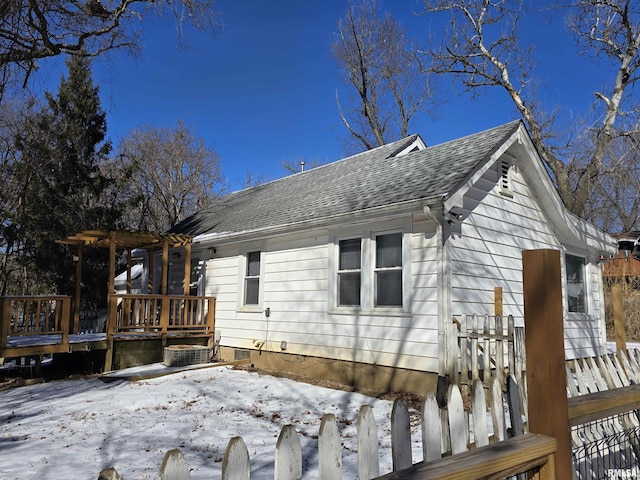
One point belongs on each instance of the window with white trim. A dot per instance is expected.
(252, 279)
(576, 285)
(349, 272)
(388, 270)
(369, 272)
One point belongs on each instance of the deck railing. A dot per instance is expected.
(161, 314)
(34, 315)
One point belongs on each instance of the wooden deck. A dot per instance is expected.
(32, 326)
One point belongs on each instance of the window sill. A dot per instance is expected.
(376, 312)
(250, 309)
(579, 317)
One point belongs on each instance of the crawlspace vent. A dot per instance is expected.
(241, 354)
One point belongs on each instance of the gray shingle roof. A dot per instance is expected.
(367, 180)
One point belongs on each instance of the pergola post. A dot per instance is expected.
(75, 328)
(187, 269)
(128, 270)
(150, 279)
(165, 267)
(111, 302)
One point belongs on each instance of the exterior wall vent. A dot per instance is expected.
(240, 354)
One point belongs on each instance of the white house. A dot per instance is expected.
(352, 269)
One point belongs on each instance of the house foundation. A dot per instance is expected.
(359, 376)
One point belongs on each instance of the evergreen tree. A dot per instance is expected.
(61, 149)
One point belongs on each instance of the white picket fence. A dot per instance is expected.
(450, 430)
(487, 347)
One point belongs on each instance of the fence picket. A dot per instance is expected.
(464, 349)
(400, 436)
(329, 449)
(368, 459)
(497, 410)
(109, 474)
(431, 436)
(288, 464)
(174, 466)
(457, 426)
(486, 354)
(235, 463)
(515, 412)
(479, 411)
(475, 374)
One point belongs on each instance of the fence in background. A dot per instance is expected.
(487, 347)
(605, 440)
(453, 450)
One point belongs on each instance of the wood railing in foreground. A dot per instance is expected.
(161, 314)
(34, 316)
(448, 455)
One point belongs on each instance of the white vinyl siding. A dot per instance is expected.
(296, 290)
(487, 254)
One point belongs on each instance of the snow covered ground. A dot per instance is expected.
(72, 429)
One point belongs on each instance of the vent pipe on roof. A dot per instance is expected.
(302, 166)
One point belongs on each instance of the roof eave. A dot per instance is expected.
(350, 218)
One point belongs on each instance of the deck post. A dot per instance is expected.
(128, 290)
(112, 311)
(150, 278)
(64, 316)
(618, 317)
(544, 338)
(5, 321)
(76, 300)
(211, 317)
(165, 267)
(187, 269)
(112, 263)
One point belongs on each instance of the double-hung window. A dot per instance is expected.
(576, 286)
(252, 279)
(349, 272)
(388, 270)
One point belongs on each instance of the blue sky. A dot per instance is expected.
(262, 90)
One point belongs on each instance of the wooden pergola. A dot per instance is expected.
(128, 240)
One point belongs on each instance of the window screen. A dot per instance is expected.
(252, 279)
(576, 290)
(388, 271)
(349, 272)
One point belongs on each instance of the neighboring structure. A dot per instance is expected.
(625, 266)
(353, 270)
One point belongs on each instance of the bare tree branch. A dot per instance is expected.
(383, 71)
(483, 47)
(31, 30)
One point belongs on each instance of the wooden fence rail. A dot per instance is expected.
(136, 313)
(34, 315)
(484, 446)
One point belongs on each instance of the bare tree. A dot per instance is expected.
(31, 30)
(383, 71)
(615, 203)
(483, 48)
(174, 174)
